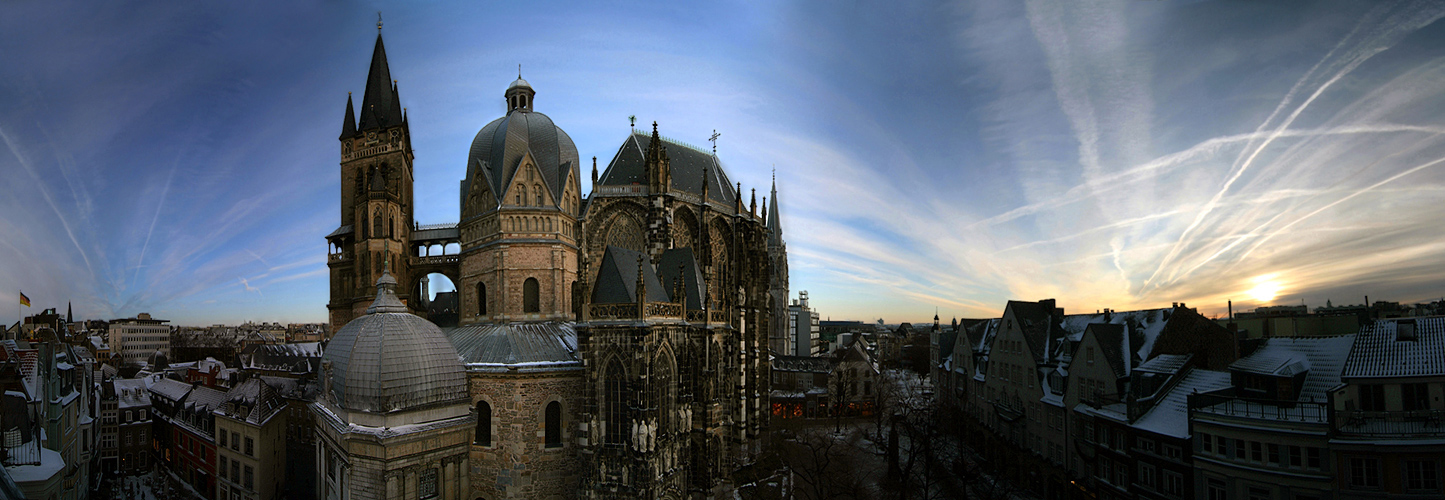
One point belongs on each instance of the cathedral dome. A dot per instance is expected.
(391, 360)
(498, 149)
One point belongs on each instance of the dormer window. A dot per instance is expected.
(1405, 330)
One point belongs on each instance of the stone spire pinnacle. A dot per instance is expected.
(348, 125)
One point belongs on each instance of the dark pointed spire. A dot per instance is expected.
(69, 314)
(379, 105)
(348, 125)
(775, 224)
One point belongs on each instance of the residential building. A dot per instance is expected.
(126, 426)
(1267, 435)
(1387, 432)
(251, 442)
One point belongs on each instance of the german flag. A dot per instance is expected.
(24, 301)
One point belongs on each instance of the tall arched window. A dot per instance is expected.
(666, 392)
(614, 391)
(481, 299)
(391, 227)
(521, 194)
(538, 188)
(554, 425)
(530, 302)
(484, 424)
(376, 226)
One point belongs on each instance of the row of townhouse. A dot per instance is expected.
(1312, 418)
(47, 416)
(1017, 379)
(225, 444)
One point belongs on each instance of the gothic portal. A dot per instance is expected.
(614, 345)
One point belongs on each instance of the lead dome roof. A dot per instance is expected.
(391, 360)
(498, 148)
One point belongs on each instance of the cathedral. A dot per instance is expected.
(607, 344)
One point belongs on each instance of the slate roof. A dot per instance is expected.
(667, 270)
(347, 229)
(1164, 363)
(173, 390)
(1326, 357)
(629, 166)
(436, 232)
(516, 344)
(380, 106)
(1170, 416)
(131, 393)
(1377, 354)
(498, 148)
(617, 278)
(304, 357)
(258, 399)
(1111, 339)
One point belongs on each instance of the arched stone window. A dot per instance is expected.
(376, 226)
(538, 189)
(521, 194)
(484, 424)
(666, 392)
(554, 425)
(391, 227)
(481, 299)
(614, 394)
(530, 302)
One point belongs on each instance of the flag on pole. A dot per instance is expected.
(24, 301)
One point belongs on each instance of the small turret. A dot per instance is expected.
(348, 125)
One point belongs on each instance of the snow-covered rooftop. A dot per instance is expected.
(1170, 416)
(1398, 348)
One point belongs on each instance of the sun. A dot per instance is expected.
(1265, 289)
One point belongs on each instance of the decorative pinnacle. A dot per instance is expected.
(714, 140)
(519, 71)
(378, 22)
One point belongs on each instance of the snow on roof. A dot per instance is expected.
(1398, 348)
(1165, 363)
(51, 463)
(1325, 357)
(1170, 416)
(132, 392)
(173, 390)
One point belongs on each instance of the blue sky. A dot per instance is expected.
(181, 159)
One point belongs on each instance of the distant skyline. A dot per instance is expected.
(181, 159)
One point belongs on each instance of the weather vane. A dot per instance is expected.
(714, 137)
(378, 22)
(632, 121)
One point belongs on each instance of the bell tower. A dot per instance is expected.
(376, 196)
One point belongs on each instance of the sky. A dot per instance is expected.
(181, 158)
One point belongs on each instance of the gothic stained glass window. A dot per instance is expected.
(626, 232)
(666, 391)
(614, 395)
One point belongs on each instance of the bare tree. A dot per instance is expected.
(821, 464)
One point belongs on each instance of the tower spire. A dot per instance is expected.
(348, 125)
(379, 104)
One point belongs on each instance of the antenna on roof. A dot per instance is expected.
(714, 140)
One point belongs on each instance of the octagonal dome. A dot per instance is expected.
(391, 360)
(498, 149)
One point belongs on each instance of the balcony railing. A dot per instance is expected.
(384, 147)
(435, 260)
(1416, 423)
(631, 311)
(713, 316)
(1264, 409)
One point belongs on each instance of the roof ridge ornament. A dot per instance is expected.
(378, 23)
